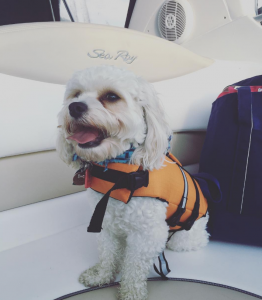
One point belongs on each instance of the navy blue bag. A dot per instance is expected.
(232, 153)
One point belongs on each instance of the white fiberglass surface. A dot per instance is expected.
(32, 222)
(28, 110)
(188, 99)
(28, 114)
(47, 247)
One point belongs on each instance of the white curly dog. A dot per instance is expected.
(105, 110)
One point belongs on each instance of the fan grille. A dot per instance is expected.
(171, 20)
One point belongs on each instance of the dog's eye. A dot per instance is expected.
(110, 97)
(77, 94)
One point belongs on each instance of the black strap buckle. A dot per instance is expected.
(136, 180)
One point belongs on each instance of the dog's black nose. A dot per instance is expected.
(76, 109)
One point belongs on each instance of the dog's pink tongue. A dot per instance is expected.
(83, 137)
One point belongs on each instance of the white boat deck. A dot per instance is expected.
(45, 246)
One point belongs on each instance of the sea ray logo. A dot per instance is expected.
(122, 54)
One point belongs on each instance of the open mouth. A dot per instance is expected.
(88, 137)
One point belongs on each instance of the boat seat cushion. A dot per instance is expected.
(29, 108)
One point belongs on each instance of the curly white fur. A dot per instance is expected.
(133, 234)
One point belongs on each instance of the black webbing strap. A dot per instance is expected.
(131, 181)
(108, 175)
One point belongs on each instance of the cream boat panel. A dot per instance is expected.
(28, 108)
(240, 40)
(34, 177)
(28, 115)
(51, 52)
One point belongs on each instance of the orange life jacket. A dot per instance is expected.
(171, 183)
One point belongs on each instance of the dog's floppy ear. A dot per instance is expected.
(150, 154)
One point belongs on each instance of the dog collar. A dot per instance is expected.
(123, 158)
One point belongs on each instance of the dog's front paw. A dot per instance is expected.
(96, 276)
